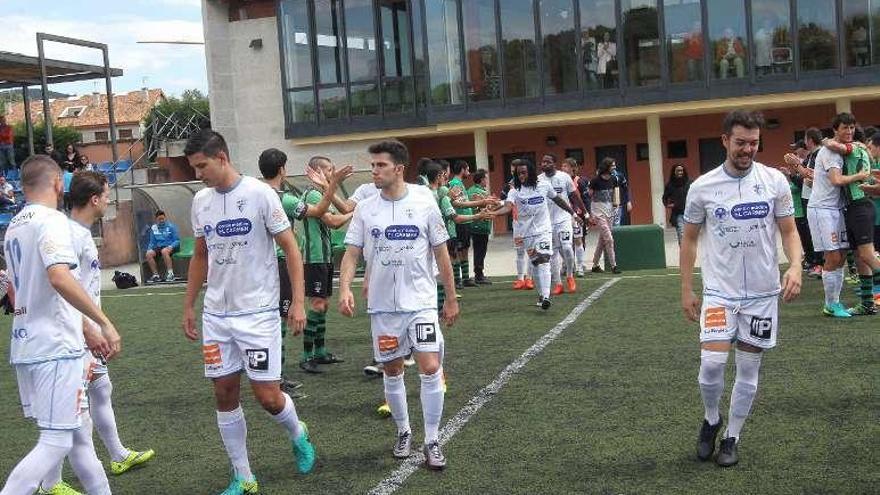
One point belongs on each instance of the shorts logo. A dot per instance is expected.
(426, 333)
(234, 227)
(402, 232)
(716, 318)
(317, 286)
(544, 245)
(387, 344)
(213, 359)
(258, 359)
(747, 211)
(566, 236)
(761, 328)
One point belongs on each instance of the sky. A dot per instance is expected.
(120, 24)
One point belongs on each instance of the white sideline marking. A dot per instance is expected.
(456, 423)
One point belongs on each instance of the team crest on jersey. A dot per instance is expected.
(208, 230)
(95, 264)
(758, 188)
(408, 212)
(376, 232)
(720, 213)
(241, 203)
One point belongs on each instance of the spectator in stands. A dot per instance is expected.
(729, 52)
(164, 240)
(50, 150)
(7, 150)
(7, 193)
(70, 158)
(85, 164)
(674, 196)
(67, 175)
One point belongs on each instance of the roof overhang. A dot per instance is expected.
(17, 70)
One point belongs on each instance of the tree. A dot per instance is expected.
(175, 118)
(61, 135)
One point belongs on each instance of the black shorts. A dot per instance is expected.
(859, 217)
(158, 249)
(319, 280)
(286, 293)
(462, 236)
(451, 247)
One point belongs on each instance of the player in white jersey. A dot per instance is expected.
(401, 234)
(532, 198)
(48, 339)
(563, 250)
(235, 220)
(88, 196)
(735, 212)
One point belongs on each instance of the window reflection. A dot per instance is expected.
(559, 49)
(684, 39)
(817, 34)
(302, 105)
(364, 100)
(397, 57)
(598, 42)
(361, 40)
(521, 78)
(295, 22)
(328, 40)
(771, 21)
(332, 103)
(727, 35)
(444, 57)
(641, 40)
(483, 75)
(857, 28)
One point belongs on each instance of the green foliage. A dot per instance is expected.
(191, 106)
(61, 136)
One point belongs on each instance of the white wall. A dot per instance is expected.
(244, 87)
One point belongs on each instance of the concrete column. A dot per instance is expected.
(481, 154)
(655, 161)
(843, 105)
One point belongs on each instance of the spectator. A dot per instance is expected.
(67, 175)
(7, 193)
(603, 189)
(70, 158)
(607, 61)
(480, 229)
(164, 240)
(622, 200)
(693, 52)
(729, 52)
(84, 164)
(674, 196)
(7, 150)
(55, 155)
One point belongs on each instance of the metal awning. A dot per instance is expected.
(17, 70)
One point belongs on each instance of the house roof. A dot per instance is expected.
(91, 110)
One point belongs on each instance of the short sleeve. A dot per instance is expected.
(550, 191)
(511, 196)
(273, 213)
(313, 197)
(56, 243)
(569, 185)
(197, 226)
(360, 193)
(354, 236)
(831, 160)
(694, 209)
(294, 207)
(446, 208)
(437, 232)
(783, 203)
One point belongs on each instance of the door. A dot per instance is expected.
(712, 154)
(618, 153)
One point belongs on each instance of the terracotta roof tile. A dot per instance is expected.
(129, 108)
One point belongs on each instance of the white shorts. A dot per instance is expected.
(54, 392)
(753, 322)
(828, 229)
(396, 334)
(537, 245)
(251, 343)
(562, 235)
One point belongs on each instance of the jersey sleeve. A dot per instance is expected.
(358, 195)
(830, 160)
(549, 191)
(511, 196)
(446, 208)
(273, 213)
(354, 236)
(783, 203)
(56, 243)
(437, 232)
(198, 228)
(694, 209)
(294, 207)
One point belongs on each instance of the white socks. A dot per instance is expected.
(543, 279)
(101, 408)
(833, 283)
(288, 418)
(748, 367)
(51, 448)
(568, 266)
(432, 404)
(555, 267)
(579, 255)
(233, 431)
(521, 263)
(85, 462)
(711, 380)
(395, 394)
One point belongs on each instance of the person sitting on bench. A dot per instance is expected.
(164, 240)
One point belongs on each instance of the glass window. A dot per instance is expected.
(559, 49)
(361, 40)
(857, 26)
(328, 41)
(364, 100)
(302, 105)
(641, 41)
(771, 21)
(521, 78)
(420, 69)
(332, 103)
(684, 39)
(397, 82)
(481, 47)
(297, 50)
(599, 43)
(817, 34)
(444, 51)
(727, 37)
(398, 95)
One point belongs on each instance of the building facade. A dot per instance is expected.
(644, 81)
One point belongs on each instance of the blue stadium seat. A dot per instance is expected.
(104, 167)
(13, 174)
(123, 166)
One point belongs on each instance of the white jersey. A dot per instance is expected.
(369, 189)
(532, 208)
(825, 194)
(89, 270)
(563, 185)
(738, 251)
(239, 226)
(45, 326)
(398, 240)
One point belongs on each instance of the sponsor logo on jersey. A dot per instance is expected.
(747, 211)
(387, 344)
(402, 232)
(229, 260)
(426, 333)
(20, 311)
(761, 328)
(234, 227)
(534, 200)
(258, 359)
(19, 333)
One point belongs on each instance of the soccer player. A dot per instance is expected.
(272, 163)
(480, 229)
(826, 216)
(48, 338)
(235, 220)
(523, 270)
(403, 240)
(578, 225)
(735, 212)
(464, 206)
(563, 252)
(530, 196)
(89, 195)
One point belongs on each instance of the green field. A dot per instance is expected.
(611, 407)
